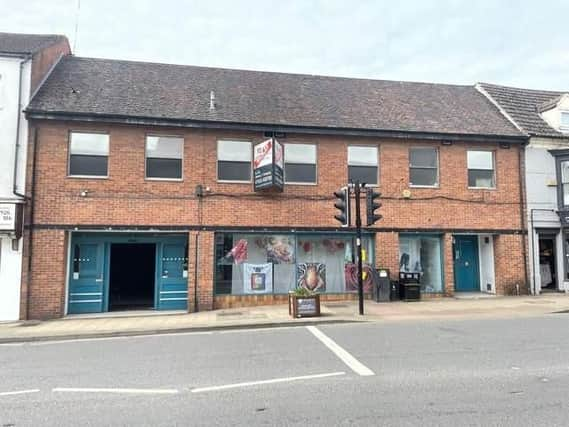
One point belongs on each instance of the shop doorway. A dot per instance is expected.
(547, 263)
(132, 276)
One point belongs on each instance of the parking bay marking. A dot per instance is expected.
(353, 363)
(117, 390)
(272, 381)
(12, 393)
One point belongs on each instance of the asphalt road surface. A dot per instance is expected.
(511, 372)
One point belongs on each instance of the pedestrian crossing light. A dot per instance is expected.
(372, 204)
(343, 205)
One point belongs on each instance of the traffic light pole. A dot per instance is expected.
(359, 247)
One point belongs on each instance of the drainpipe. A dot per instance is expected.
(17, 144)
(31, 219)
(521, 168)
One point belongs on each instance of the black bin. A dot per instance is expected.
(409, 286)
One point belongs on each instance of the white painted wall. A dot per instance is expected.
(486, 257)
(541, 187)
(11, 260)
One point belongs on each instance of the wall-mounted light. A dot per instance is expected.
(84, 193)
(505, 145)
(446, 142)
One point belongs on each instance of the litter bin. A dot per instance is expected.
(382, 288)
(410, 286)
(394, 291)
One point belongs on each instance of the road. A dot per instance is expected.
(506, 372)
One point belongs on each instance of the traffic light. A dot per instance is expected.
(343, 205)
(371, 206)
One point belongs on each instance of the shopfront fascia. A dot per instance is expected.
(274, 263)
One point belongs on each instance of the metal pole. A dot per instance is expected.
(359, 247)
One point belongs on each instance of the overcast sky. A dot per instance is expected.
(520, 43)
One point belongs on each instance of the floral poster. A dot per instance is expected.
(280, 249)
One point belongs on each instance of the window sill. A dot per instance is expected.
(88, 177)
(433, 187)
(483, 188)
(164, 179)
(302, 183)
(224, 181)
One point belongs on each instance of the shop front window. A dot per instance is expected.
(422, 254)
(277, 263)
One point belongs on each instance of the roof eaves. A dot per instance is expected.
(188, 123)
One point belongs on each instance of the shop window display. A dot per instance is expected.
(278, 263)
(422, 254)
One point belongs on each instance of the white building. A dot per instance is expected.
(544, 117)
(25, 60)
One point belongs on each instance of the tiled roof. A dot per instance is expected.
(13, 43)
(524, 106)
(101, 87)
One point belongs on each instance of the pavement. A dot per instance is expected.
(144, 323)
(441, 372)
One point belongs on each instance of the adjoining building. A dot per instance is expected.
(150, 187)
(544, 117)
(25, 59)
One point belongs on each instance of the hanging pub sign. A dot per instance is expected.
(11, 218)
(268, 164)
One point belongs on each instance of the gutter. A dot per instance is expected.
(259, 127)
(17, 144)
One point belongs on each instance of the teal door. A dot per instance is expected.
(86, 282)
(172, 276)
(466, 271)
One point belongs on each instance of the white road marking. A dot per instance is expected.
(353, 363)
(272, 381)
(117, 390)
(64, 341)
(12, 393)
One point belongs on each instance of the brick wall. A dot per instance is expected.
(43, 60)
(127, 199)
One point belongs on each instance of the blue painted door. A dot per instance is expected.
(172, 275)
(466, 270)
(86, 281)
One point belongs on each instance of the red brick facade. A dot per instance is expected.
(127, 200)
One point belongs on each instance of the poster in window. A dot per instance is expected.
(311, 276)
(237, 254)
(257, 278)
(280, 249)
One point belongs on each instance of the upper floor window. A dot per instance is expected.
(424, 167)
(565, 120)
(565, 181)
(234, 161)
(481, 169)
(363, 164)
(300, 163)
(164, 156)
(88, 154)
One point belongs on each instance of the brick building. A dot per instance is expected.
(143, 187)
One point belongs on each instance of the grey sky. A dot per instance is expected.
(519, 43)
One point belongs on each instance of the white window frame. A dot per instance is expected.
(563, 127)
(146, 177)
(376, 165)
(229, 181)
(315, 163)
(69, 154)
(493, 169)
(438, 167)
